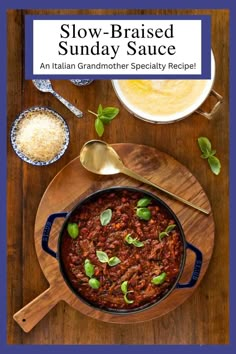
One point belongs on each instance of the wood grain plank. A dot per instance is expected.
(14, 177)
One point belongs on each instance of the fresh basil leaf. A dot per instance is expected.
(110, 112)
(133, 241)
(143, 213)
(99, 127)
(103, 116)
(204, 144)
(143, 202)
(94, 283)
(205, 156)
(213, 152)
(105, 217)
(99, 111)
(127, 300)
(159, 279)
(170, 228)
(113, 261)
(137, 243)
(215, 164)
(73, 230)
(129, 239)
(124, 287)
(213, 161)
(102, 256)
(105, 120)
(162, 235)
(89, 268)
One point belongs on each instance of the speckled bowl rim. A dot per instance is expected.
(83, 82)
(13, 132)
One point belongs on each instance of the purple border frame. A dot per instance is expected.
(205, 39)
(122, 4)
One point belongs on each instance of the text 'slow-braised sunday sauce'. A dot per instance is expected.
(121, 250)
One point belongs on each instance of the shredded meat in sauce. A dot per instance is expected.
(138, 266)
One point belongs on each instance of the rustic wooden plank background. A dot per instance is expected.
(202, 319)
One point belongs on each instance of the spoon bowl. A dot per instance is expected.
(99, 157)
(46, 86)
(43, 85)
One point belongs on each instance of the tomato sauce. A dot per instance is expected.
(148, 271)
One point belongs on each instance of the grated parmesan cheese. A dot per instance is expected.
(40, 136)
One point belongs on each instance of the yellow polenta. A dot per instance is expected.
(162, 97)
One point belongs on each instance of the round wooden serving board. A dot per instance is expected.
(73, 182)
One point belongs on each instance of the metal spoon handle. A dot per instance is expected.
(136, 176)
(72, 108)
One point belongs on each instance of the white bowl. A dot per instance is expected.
(174, 116)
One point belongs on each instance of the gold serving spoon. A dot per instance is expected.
(99, 157)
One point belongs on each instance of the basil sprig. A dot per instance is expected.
(124, 289)
(207, 153)
(104, 117)
(159, 279)
(89, 271)
(103, 258)
(105, 217)
(94, 283)
(167, 231)
(89, 268)
(143, 202)
(133, 241)
(73, 230)
(142, 211)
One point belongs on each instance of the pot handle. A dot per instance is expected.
(209, 115)
(46, 232)
(196, 269)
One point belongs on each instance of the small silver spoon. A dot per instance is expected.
(46, 86)
(100, 158)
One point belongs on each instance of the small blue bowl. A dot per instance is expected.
(13, 134)
(83, 82)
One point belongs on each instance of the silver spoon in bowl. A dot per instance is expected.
(100, 158)
(46, 86)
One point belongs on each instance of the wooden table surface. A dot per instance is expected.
(204, 317)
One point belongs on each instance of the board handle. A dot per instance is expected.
(46, 232)
(196, 269)
(34, 311)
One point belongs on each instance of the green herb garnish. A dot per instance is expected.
(124, 289)
(103, 258)
(89, 271)
(133, 241)
(104, 116)
(144, 213)
(143, 202)
(73, 230)
(105, 217)
(127, 300)
(207, 153)
(94, 283)
(166, 232)
(141, 210)
(89, 268)
(113, 261)
(159, 279)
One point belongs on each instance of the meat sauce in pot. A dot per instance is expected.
(122, 257)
